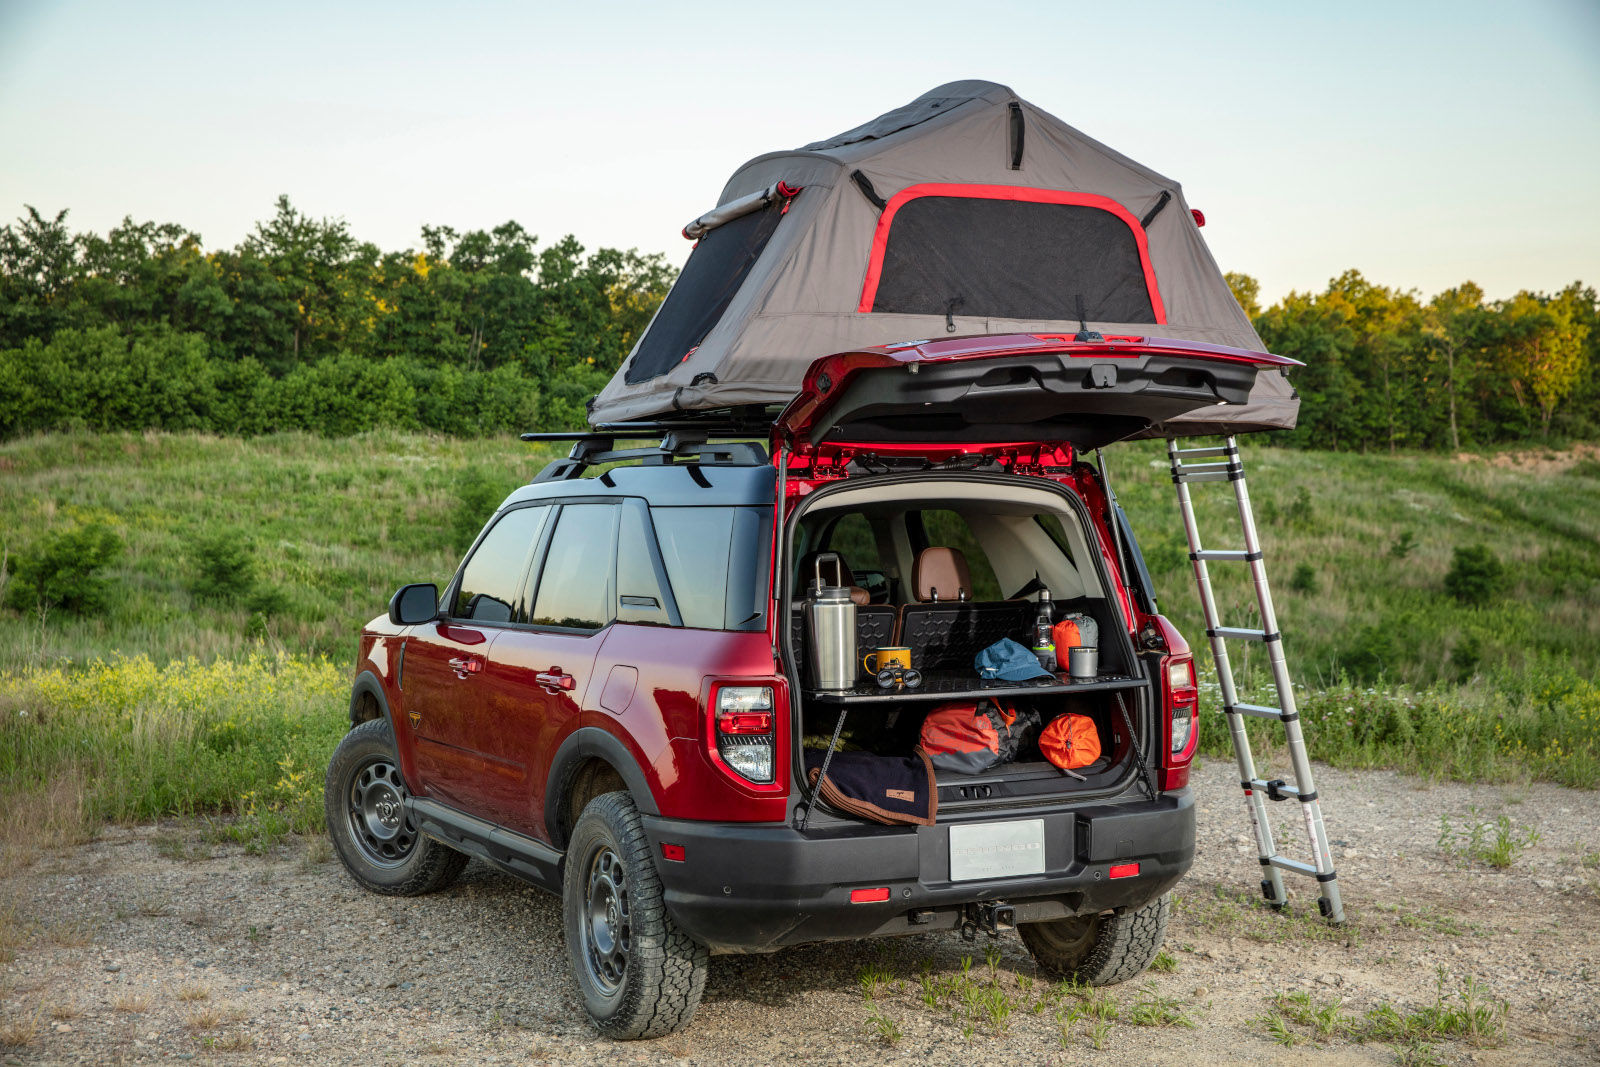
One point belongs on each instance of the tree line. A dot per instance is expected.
(1386, 369)
(301, 326)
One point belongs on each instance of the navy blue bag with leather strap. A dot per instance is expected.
(886, 789)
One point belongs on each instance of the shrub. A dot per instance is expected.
(63, 570)
(1466, 656)
(1401, 546)
(225, 567)
(1475, 575)
(344, 395)
(1304, 579)
(1372, 654)
(477, 495)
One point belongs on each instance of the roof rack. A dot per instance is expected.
(592, 449)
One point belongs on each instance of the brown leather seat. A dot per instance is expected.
(808, 571)
(941, 574)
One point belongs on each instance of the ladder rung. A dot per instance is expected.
(1206, 468)
(1205, 476)
(1276, 789)
(1284, 863)
(1226, 555)
(1258, 711)
(1219, 450)
(1240, 634)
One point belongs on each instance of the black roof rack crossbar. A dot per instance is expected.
(593, 449)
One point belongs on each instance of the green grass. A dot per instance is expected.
(336, 526)
(127, 740)
(1469, 1014)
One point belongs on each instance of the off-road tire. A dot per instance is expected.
(664, 969)
(1099, 949)
(416, 864)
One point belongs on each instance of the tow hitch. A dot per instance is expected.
(993, 917)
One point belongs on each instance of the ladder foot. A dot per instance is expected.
(1325, 909)
(1268, 894)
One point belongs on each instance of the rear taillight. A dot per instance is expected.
(743, 722)
(1182, 700)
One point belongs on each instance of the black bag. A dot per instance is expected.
(887, 789)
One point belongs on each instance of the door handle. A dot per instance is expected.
(555, 678)
(465, 665)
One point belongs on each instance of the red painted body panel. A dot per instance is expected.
(664, 724)
(813, 400)
(528, 720)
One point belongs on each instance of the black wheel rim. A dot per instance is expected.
(1069, 937)
(376, 807)
(607, 922)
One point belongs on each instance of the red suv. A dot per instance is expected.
(613, 699)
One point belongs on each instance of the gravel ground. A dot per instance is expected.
(149, 944)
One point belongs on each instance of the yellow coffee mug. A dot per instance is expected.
(886, 657)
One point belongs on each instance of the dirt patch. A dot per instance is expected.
(134, 949)
(1535, 460)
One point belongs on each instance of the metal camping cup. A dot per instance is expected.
(830, 617)
(1083, 662)
(880, 658)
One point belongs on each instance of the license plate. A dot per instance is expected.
(996, 849)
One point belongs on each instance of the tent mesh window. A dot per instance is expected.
(716, 269)
(1012, 259)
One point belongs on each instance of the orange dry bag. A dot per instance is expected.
(1070, 741)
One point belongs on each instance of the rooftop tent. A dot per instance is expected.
(968, 211)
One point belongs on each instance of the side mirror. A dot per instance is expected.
(414, 604)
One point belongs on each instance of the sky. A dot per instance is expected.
(1423, 144)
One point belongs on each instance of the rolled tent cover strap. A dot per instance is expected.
(967, 211)
(745, 205)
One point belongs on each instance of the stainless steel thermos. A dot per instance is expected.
(830, 617)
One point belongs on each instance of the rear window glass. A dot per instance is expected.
(1012, 259)
(716, 560)
(577, 569)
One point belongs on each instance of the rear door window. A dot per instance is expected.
(574, 588)
(492, 580)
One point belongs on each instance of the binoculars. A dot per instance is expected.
(899, 678)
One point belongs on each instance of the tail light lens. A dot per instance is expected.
(1182, 699)
(744, 725)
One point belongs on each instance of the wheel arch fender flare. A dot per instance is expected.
(583, 744)
(367, 684)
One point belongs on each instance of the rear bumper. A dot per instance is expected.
(755, 888)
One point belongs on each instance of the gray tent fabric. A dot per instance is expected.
(973, 209)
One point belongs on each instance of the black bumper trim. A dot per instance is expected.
(759, 887)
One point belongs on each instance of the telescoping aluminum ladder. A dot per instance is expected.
(1222, 464)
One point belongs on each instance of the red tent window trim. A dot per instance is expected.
(880, 238)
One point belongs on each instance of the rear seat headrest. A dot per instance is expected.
(942, 574)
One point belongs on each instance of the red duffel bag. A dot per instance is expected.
(969, 737)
